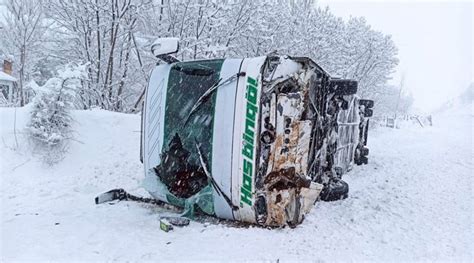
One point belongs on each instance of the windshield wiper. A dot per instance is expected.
(211, 179)
(209, 92)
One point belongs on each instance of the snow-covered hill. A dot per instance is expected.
(459, 105)
(414, 201)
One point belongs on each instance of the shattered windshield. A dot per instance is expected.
(180, 168)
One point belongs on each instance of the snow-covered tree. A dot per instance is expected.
(49, 127)
(113, 38)
(22, 35)
(370, 57)
(102, 35)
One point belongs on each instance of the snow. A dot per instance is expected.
(4, 76)
(414, 201)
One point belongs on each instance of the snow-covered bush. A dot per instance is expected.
(49, 127)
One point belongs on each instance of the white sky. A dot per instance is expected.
(435, 42)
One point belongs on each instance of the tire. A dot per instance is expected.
(366, 132)
(365, 160)
(343, 86)
(360, 156)
(336, 190)
(361, 160)
(368, 113)
(364, 151)
(368, 104)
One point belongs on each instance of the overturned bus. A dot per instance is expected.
(256, 140)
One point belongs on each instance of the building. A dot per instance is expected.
(7, 82)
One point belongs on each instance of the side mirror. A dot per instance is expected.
(343, 86)
(368, 113)
(162, 48)
(368, 104)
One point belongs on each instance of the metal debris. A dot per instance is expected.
(165, 225)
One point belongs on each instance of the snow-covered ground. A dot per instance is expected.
(414, 201)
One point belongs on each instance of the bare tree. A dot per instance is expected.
(22, 35)
(101, 34)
